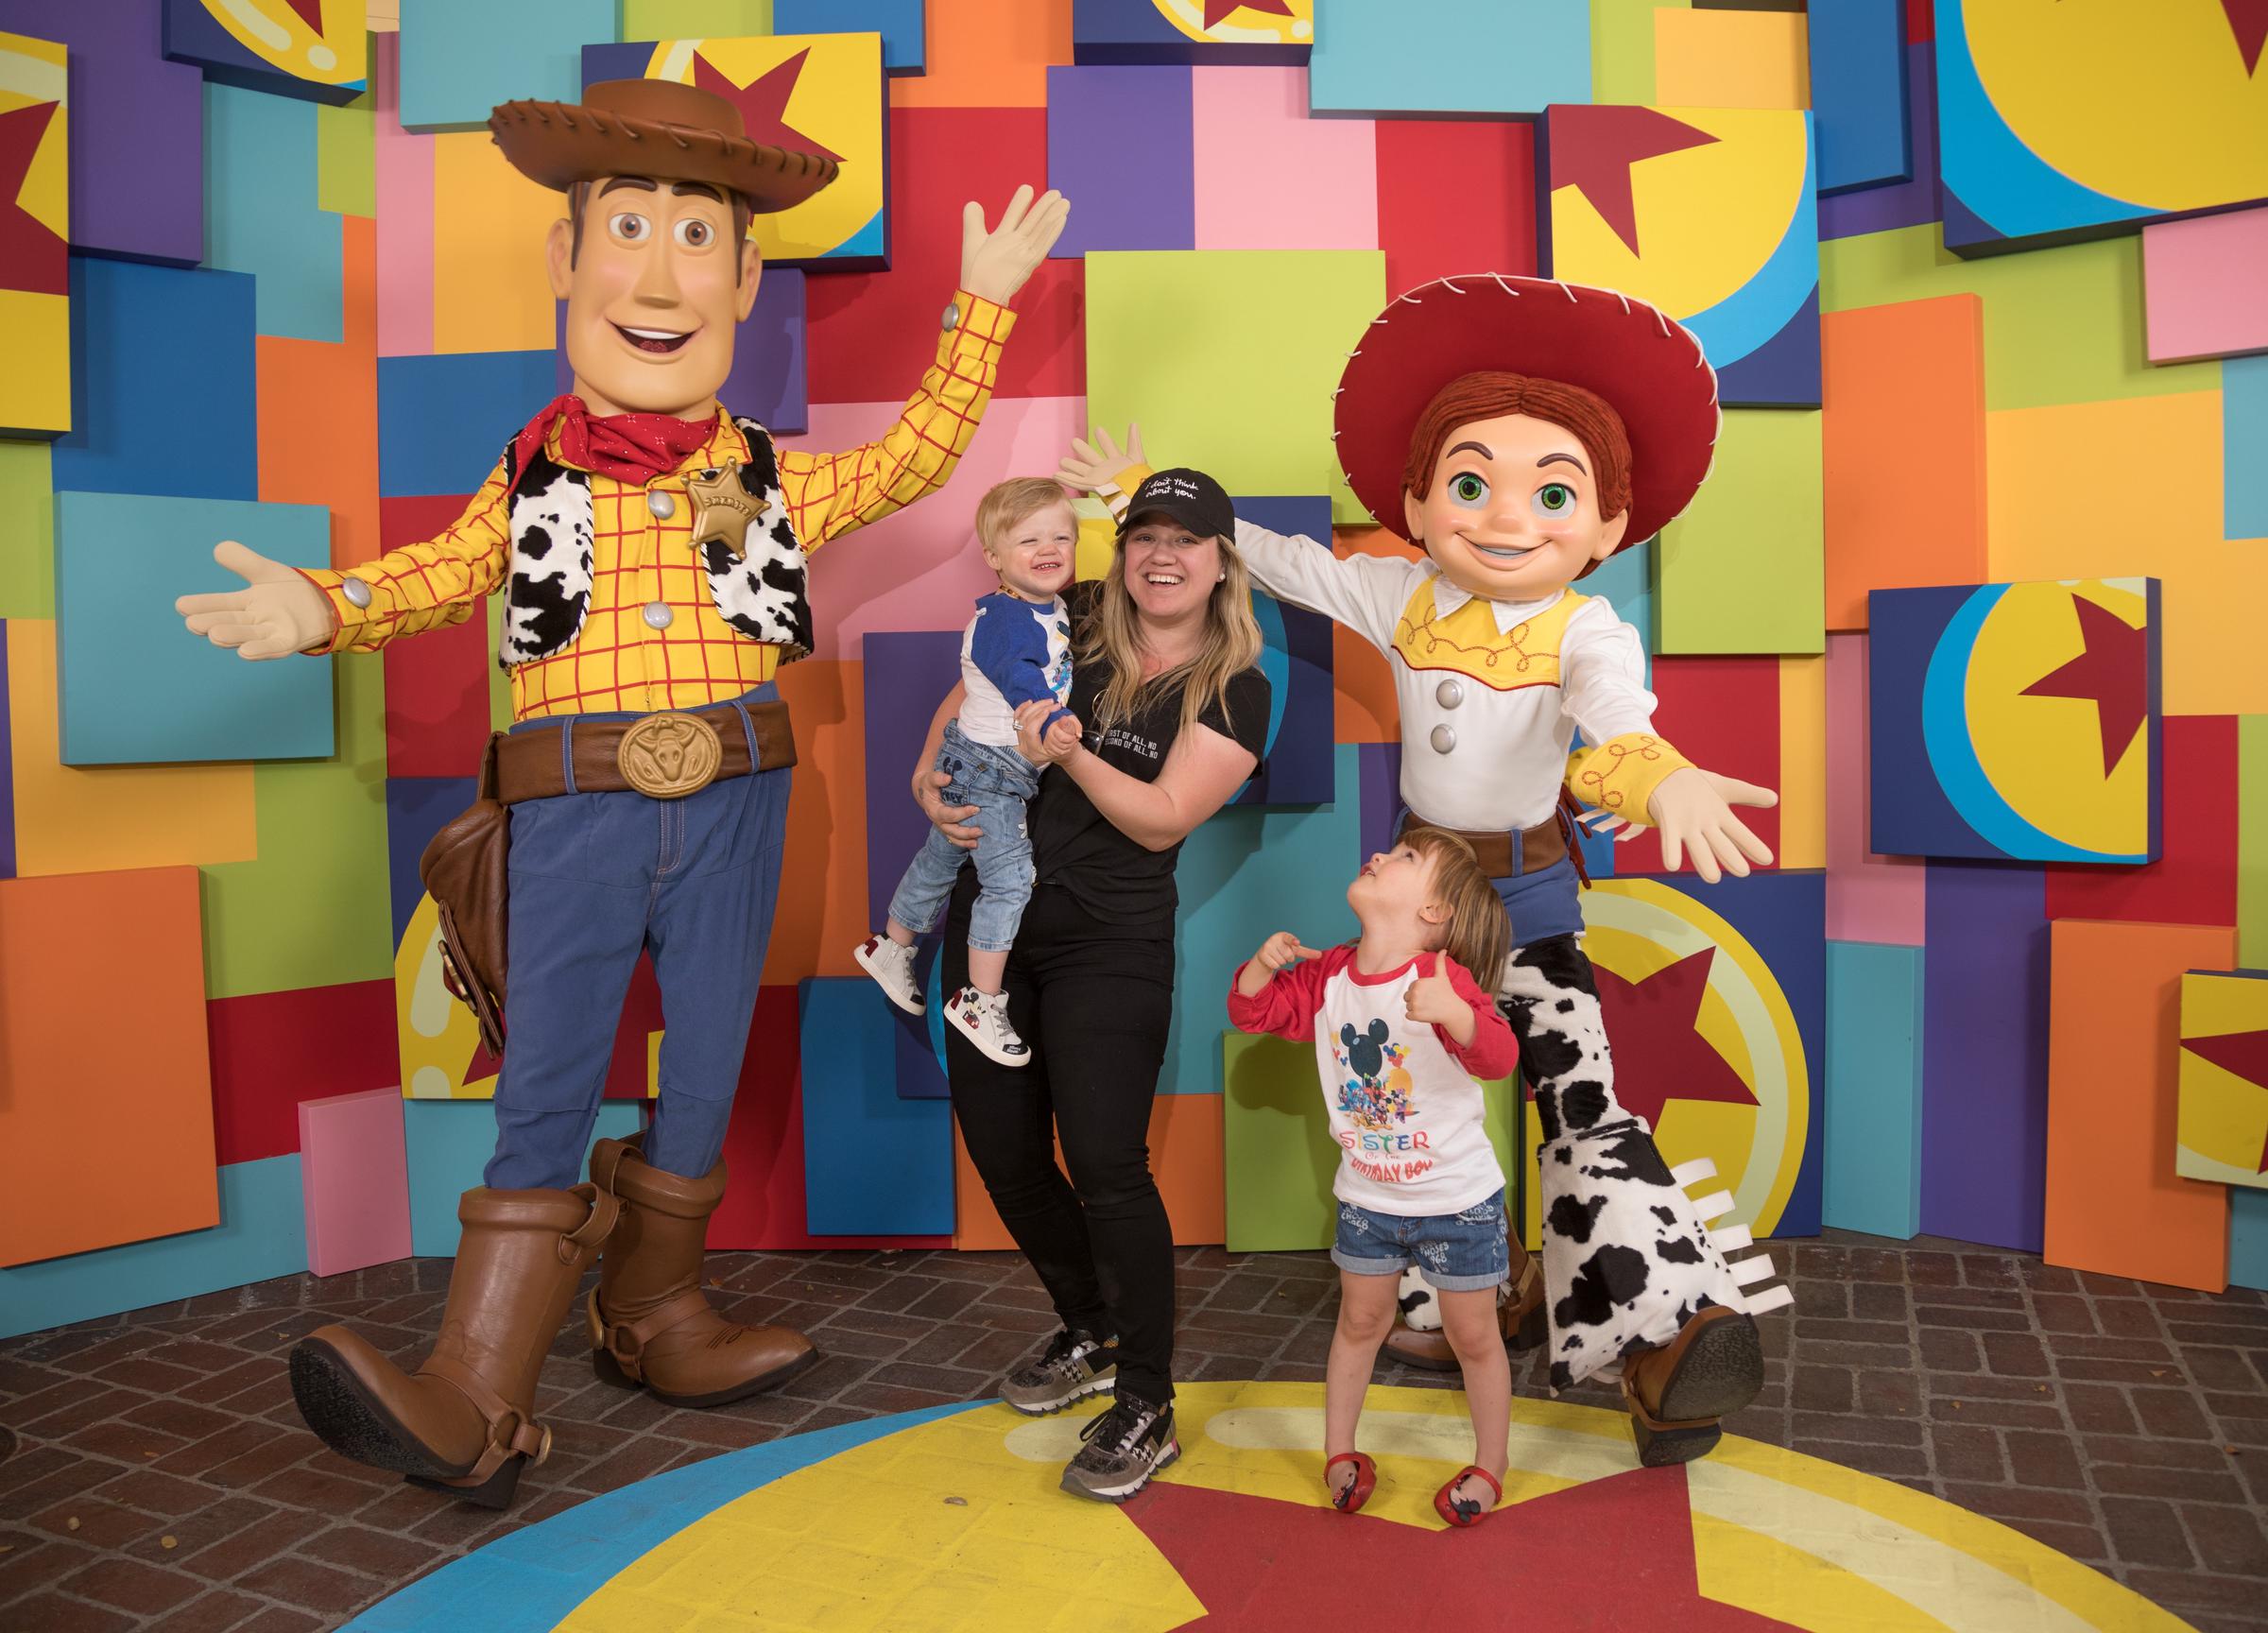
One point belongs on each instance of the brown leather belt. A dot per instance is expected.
(666, 756)
(1539, 847)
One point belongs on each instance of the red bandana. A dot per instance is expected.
(632, 448)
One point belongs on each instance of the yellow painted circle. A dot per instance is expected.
(2044, 755)
(274, 32)
(1634, 927)
(957, 1522)
(2146, 103)
(1243, 26)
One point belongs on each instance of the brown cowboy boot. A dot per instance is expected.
(1679, 1391)
(1520, 1313)
(464, 1421)
(650, 1321)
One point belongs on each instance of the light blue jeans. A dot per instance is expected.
(999, 782)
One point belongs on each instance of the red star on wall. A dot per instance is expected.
(32, 258)
(2112, 673)
(764, 105)
(1658, 1056)
(1220, 10)
(1592, 149)
(2249, 20)
(2242, 1053)
(1611, 1552)
(309, 13)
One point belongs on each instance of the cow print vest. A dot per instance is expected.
(762, 595)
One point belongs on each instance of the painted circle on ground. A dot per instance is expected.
(1636, 928)
(950, 1518)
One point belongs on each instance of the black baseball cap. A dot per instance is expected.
(1190, 497)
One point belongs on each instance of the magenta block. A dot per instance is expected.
(354, 1172)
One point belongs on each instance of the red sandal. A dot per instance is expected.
(1357, 1493)
(1466, 1512)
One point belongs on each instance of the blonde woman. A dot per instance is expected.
(1176, 710)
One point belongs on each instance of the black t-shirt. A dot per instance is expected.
(1078, 848)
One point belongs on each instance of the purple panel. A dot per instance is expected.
(906, 675)
(1381, 766)
(766, 384)
(137, 130)
(1984, 1055)
(1120, 138)
(7, 774)
(1906, 203)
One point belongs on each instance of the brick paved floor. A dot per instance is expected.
(161, 1478)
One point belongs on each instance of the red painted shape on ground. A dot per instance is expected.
(1658, 1054)
(2195, 879)
(869, 334)
(1722, 714)
(764, 1205)
(1479, 212)
(1611, 1552)
(272, 1050)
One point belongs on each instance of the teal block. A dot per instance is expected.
(1247, 873)
(262, 1233)
(1873, 1101)
(461, 58)
(1625, 580)
(873, 1164)
(450, 1143)
(261, 214)
(1448, 57)
(2243, 434)
(134, 686)
(2247, 1237)
(903, 26)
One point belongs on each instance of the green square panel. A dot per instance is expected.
(1745, 569)
(1227, 359)
(1278, 1158)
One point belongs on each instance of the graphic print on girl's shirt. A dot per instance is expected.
(1404, 1107)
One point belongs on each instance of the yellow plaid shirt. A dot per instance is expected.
(619, 662)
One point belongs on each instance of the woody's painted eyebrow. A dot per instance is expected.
(1569, 458)
(1476, 447)
(696, 189)
(643, 183)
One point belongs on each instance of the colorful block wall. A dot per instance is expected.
(295, 284)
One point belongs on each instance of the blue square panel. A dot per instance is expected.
(875, 1164)
(162, 399)
(1296, 656)
(443, 421)
(903, 26)
(461, 58)
(134, 687)
(1448, 57)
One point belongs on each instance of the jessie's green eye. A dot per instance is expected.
(1554, 501)
(1467, 489)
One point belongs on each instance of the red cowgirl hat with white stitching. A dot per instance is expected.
(1646, 365)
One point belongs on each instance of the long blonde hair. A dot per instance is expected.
(1113, 634)
(1478, 933)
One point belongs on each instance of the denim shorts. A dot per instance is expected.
(1462, 1252)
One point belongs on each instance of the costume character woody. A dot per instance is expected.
(651, 548)
(1522, 431)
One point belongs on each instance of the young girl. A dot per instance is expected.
(1402, 1029)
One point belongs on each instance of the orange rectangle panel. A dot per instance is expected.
(318, 411)
(2114, 1204)
(1185, 1155)
(102, 1038)
(1902, 449)
(822, 911)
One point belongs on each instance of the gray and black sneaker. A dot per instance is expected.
(1125, 1447)
(1073, 1367)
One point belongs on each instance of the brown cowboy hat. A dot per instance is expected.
(655, 128)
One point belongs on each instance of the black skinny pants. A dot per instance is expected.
(1095, 1004)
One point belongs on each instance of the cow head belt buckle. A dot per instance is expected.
(669, 755)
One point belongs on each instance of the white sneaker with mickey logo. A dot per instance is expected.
(983, 1019)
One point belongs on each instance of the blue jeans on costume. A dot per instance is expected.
(999, 782)
(1546, 903)
(1462, 1252)
(595, 880)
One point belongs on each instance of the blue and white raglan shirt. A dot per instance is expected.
(1014, 651)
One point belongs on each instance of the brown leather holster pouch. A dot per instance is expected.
(464, 872)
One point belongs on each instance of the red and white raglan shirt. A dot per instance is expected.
(1405, 1104)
